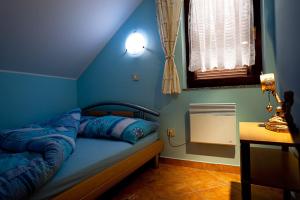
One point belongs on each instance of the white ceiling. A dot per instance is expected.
(57, 37)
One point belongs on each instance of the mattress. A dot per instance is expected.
(90, 157)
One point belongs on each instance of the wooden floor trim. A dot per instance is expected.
(201, 165)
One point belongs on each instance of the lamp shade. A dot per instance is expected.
(268, 82)
(135, 44)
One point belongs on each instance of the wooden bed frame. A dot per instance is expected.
(96, 185)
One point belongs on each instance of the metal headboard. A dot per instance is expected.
(141, 110)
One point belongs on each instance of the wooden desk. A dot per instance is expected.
(264, 166)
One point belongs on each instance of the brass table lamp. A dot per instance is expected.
(277, 122)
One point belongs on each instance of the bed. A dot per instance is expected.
(87, 177)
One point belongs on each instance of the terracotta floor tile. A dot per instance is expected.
(170, 182)
(221, 192)
(225, 177)
(187, 196)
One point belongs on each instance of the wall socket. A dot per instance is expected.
(171, 132)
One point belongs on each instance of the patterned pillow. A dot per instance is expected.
(122, 128)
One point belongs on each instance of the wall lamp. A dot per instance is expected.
(135, 44)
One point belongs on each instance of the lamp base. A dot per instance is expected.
(277, 127)
(277, 124)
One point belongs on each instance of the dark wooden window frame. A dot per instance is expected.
(253, 72)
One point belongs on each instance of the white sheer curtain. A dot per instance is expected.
(221, 34)
(168, 17)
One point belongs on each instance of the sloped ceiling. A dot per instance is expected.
(57, 37)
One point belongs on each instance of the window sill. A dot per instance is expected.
(221, 87)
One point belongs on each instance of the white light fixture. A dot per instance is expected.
(135, 44)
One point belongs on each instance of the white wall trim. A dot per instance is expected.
(35, 74)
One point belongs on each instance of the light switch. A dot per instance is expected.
(135, 77)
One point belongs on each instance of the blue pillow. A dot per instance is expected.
(116, 127)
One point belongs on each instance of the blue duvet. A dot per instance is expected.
(30, 156)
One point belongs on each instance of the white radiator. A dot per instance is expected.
(213, 123)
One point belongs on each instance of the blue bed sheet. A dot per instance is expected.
(103, 153)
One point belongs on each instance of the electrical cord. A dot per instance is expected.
(176, 145)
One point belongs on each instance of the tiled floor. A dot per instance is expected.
(170, 182)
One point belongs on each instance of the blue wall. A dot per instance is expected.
(29, 98)
(288, 50)
(109, 78)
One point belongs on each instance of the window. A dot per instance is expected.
(223, 42)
